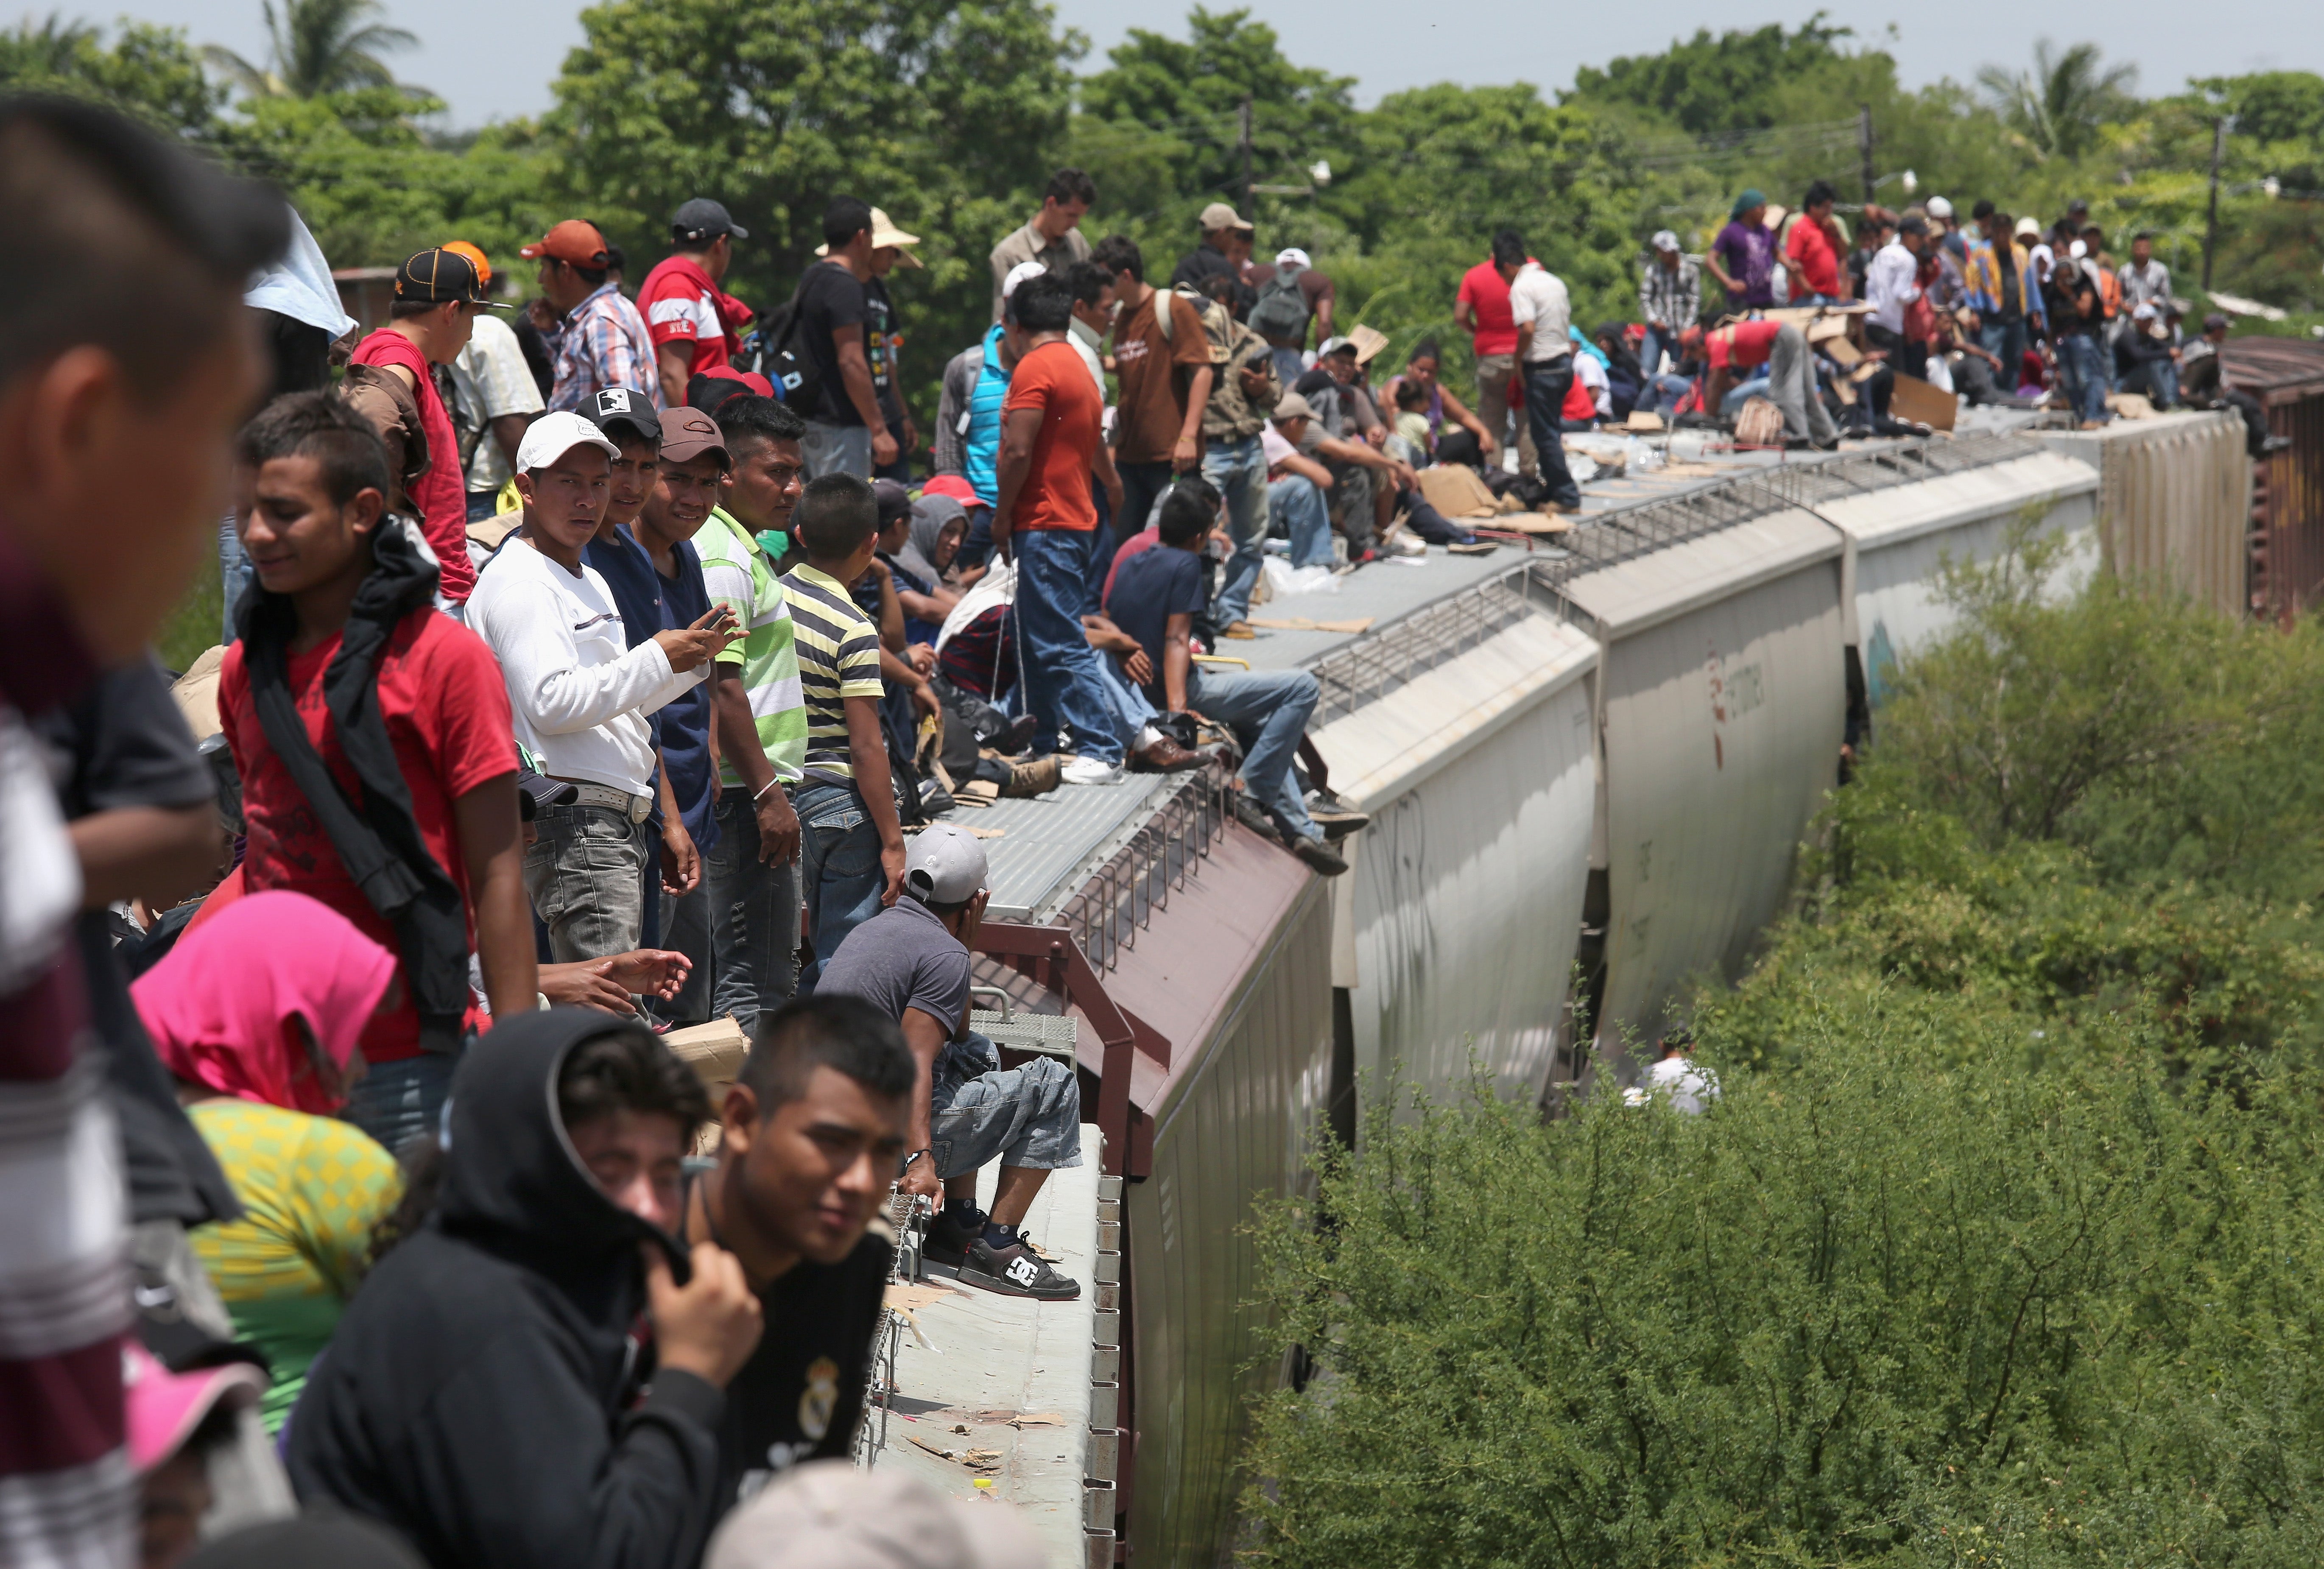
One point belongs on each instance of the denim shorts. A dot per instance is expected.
(1029, 1116)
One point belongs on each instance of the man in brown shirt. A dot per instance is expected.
(1052, 235)
(1166, 384)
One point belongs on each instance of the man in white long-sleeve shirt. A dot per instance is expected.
(579, 694)
(1889, 286)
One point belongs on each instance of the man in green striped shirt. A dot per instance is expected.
(757, 712)
(852, 845)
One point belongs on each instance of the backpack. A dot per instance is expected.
(780, 359)
(1281, 311)
(1218, 322)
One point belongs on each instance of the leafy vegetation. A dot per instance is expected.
(1997, 1249)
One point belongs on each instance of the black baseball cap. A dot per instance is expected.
(536, 790)
(632, 411)
(892, 499)
(703, 219)
(440, 277)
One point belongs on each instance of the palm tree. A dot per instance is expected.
(318, 46)
(53, 49)
(2058, 107)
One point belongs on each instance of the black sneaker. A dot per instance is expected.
(1016, 1271)
(1333, 815)
(1321, 858)
(947, 1241)
(1256, 818)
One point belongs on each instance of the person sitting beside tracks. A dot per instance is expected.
(1154, 598)
(810, 1133)
(911, 962)
(489, 1392)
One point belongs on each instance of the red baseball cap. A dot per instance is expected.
(574, 241)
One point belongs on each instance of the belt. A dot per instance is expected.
(634, 808)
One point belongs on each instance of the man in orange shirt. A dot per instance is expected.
(1043, 521)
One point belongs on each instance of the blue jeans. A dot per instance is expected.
(2082, 368)
(235, 574)
(1267, 711)
(2158, 379)
(1028, 1116)
(685, 930)
(483, 505)
(1547, 382)
(1058, 668)
(839, 867)
(1742, 393)
(1650, 351)
(1300, 501)
(1132, 713)
(1663, 392)
(1142, 485)
(2006, 341)
(837, 449)
(398, 1102)
(1238, 471)
(754, 920)
(1290, 364)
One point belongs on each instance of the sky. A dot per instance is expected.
(496, 61)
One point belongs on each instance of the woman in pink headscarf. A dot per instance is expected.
(257, 1013)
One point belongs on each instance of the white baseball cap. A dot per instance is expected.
(944, 864)
(1939, 207)
(1017, 274)
(552, 436)
(1292, 256)
(1664, 240)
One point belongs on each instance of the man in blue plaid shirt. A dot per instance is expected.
(604, 341)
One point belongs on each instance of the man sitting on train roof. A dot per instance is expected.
(911, 962)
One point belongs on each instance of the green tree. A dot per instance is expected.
(2059, 106)
(147, 71)
(1707, 85)
(946, 115)
(318, 47)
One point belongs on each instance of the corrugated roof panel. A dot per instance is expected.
(1048, 839)
(1637, 593)
(1901, 511)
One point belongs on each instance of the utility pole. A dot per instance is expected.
(2211, 224)
(1245, 164)
(1864, 147)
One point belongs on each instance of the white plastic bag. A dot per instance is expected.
(1283, 579)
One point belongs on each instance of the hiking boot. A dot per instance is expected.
(1333, 815)
(1036, 778)
(1016, 1271)
(1239, 629)
(1321, 858)
(948, 1242)
(1092, 771)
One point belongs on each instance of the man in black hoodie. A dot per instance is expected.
(488, 1392)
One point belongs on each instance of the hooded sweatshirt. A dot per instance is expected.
(483, 1395)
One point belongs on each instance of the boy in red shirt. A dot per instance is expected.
(1483, 308)
(696, 324)
(377, 758)
(1043, 519)
(1811, 249)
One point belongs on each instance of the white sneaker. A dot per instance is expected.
(1407, 545)
(1092, 770)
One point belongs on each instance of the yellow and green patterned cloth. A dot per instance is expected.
(311, 1189)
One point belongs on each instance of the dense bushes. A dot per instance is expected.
(1892, 1307)
(1999, 1246)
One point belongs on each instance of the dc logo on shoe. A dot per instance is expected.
(1023, 1270)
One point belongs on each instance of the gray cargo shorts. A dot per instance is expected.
(1029, 1116)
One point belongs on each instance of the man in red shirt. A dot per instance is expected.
(695, 325)
(436, 297)
(1483, 308)
(1811, 251)
(373, 736)
(1791, 374)
(1043, 519)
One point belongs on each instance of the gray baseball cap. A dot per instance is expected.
(828, 1515)
(944, 865)
(703, 219)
